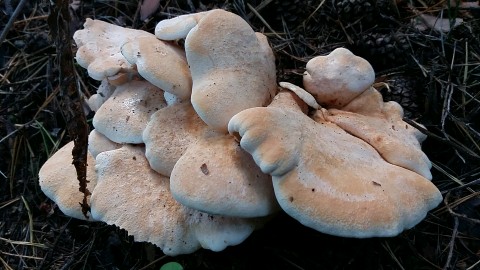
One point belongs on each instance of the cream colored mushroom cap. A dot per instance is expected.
(216, 176)
(178, 27)
(230, 72)
(330, 180)
(58, 180)
(380, 124)
(134, 197)
(170, 131)
(124, 116)
(99, 46)
(337, 78)
(98, 143)
(162, 64)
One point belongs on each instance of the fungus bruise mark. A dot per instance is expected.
(204, 169)
(128, 118)
(376, 184)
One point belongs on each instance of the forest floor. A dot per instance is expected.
(432, 71)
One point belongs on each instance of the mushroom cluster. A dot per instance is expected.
(197, 146)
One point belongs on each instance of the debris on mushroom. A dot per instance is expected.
(58, 180)
(125, 114)
(232, 67)
(99, 46)
(162, 64)
(140, 202)
(337, 78)
(215, 175)
(328, 179)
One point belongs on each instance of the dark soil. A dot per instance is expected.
(435, 75)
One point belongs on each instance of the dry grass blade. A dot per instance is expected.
(39, 245)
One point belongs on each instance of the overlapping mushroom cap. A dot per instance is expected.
(328, 179)
(123, 117)
(162, 64)
(232, 67)
(217, 176)
(380, 124)
(132, 196)
(58, 180)
(169, 133)
(99, 46)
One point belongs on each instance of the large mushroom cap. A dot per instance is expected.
(330, 180)
(132, 196)
(232, 67)
(58, 180)
(162, 64)
(124, 116)
(215, 175)
(99, 46)
(337, 78)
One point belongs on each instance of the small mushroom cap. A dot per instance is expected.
(301, 93)
(336, 79)
(98, 143)
(58, 180)
(178, 27)
(140, 202)
(99, 46)
(124, 116)
(330, 180)
(170, 131)
(104, 91)
(216, 176)
(161, 63)
(230, 72)
(380, 125)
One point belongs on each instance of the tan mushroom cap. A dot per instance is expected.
(134, 197)
(124, 116)
(161, 63)
(215, 175)
(330, 180)
(99, 46)
(337, 78)
(380, 125)
(230, 72)
(58, 180)
(98, 143)
(170, 131)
